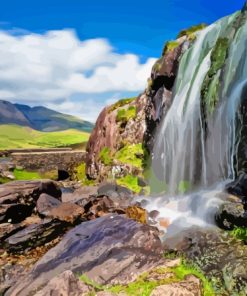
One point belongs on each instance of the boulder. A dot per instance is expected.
(65, 284)
(230, 215)
(34, 235)
(190, 286)
(7, 229)
(27, 192)
(109, 250)
(217, 254)
(45, 203)
(67, 212)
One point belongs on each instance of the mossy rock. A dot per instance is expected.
(137, 213)
(124, 115)
(134, 155)
(80, 174)
(190, 32)
(121, 103)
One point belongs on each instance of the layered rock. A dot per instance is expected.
(111, 249)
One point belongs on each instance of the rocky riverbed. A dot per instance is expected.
(94, 239)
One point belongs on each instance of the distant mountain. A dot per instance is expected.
(40, 118)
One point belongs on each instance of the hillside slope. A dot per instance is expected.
(40, 118)
(14, 136)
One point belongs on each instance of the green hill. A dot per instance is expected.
(14, 136)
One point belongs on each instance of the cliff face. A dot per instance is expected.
(128, 126)
(201, 79)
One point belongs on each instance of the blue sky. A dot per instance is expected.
(138, 28)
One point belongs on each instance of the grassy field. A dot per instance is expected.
(14, 136)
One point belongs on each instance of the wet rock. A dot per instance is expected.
(109, 250)
(27, 192)
(190, 286)
(34, 235)
(45, 203)
(239, 187)
(14, 213)
(65, 284)
(217, 254)
(230, 215)
(67, 212)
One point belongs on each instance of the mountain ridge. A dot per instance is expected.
(40, 118)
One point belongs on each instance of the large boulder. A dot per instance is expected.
(231, 214)
(109, 250)
(65, 284)
(27, 192)
(219, 255)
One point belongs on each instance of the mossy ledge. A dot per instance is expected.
(211, 84)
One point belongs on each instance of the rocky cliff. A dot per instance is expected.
(122, 140)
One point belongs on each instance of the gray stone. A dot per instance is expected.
(109, 250)
(45, 203)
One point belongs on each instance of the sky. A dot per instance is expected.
(76, 56)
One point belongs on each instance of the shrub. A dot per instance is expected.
(130, 182)
(121, 103)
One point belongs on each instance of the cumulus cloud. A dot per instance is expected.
(56, 65)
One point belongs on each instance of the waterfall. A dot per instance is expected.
(182, 151)
(186, 153)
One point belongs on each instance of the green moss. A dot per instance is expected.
(121, 103)
(191, 31)
(134, 155)
(183, 187)
(130, 182)
(169, 46)
(124, 115)
(211, 84)
(26, 175)
(185, 269)
(218, 56)
(240, 233)
(81, 175)
(105, 156)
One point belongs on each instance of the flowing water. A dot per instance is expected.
(182, 153)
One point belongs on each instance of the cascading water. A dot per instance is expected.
(187, 153)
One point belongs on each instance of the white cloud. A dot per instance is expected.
(57, 65)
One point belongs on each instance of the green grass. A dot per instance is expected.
(186, 269)
(169, 46)
(14, 136)
(144, 286)
(26, 175)
(130, 182)
(124, 115)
